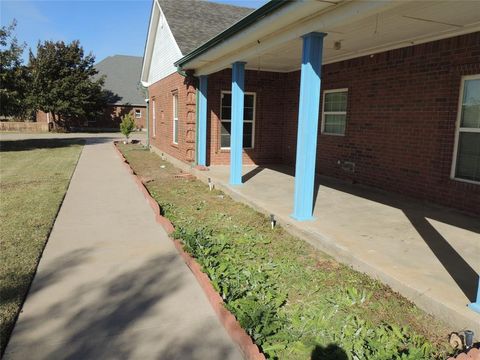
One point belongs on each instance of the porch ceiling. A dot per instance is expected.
(353, 32)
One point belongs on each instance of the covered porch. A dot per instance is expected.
(428, 253)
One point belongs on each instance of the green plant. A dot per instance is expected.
(293, 300)
(127, 125)
(249, 292)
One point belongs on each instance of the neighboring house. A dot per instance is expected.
(125, 94)
(383, 93)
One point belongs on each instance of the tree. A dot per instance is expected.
(127, 125)
(63, 84)
(13, 75)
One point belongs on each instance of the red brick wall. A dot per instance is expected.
(162, 92)
(401, 115)
(402, 109)
(268, 125)
(41, 117)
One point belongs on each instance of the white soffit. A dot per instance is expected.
(399, 25)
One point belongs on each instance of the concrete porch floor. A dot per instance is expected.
(428, 253)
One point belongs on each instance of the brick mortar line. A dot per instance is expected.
(238, 335)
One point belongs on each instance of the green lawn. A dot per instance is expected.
(34, 176)
(295, 301)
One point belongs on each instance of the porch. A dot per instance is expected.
(362, 79)
(428, 253)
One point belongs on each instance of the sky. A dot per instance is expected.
(104, 27)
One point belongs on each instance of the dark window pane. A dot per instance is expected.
(175, 106)
(471, 104)
(471, 116)
(247, 128)
(225, 141)
(175, 131)
(247, 142)
(248, 113)
(247, 135)
(336, 101)
(334, 124)
(226, 99)
(248, 101)
(226, 112)
(226, 128)
(468, 156)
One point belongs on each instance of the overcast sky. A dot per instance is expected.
(104, 27)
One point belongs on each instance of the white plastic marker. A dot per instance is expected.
(272, 220)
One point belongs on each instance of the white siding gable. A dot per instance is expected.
(165, 50)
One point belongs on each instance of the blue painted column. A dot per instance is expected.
(310, 81)
(236, 135)
(202, 122)
(476, 305)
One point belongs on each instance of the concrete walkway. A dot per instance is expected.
(110, 284)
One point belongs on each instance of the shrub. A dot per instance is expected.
(127, 125)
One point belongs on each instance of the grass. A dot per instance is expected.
(34, 176)
(330, 311)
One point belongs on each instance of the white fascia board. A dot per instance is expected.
(163, 50)
(147, 56)
(326, 16)
(291, 12)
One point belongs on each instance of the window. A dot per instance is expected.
(334, 111)
(248, 120)
(154, 119)
(466, 160)
(138, 114)
(175, 118)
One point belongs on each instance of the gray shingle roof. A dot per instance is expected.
(193, 22)
(122, 79)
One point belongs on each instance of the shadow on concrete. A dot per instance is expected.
(48, 143)
(461, 272)
(112, 318)
(24, 285)
(417, 212)
(330, 352)
(252, 173)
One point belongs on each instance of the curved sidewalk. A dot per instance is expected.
(110, 284)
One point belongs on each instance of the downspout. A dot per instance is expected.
(147, 122)
(147, 100)
(196, 127)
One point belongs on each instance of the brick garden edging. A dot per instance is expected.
(473, 354)
(239, 336)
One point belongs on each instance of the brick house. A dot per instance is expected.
(385, 94)
(125, 95)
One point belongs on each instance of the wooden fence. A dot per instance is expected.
(20, 126)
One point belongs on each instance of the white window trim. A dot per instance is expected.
(332, 112)
(459, 129)
(139, 112)
(175, 119)
(154, 119)
(230, 120)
